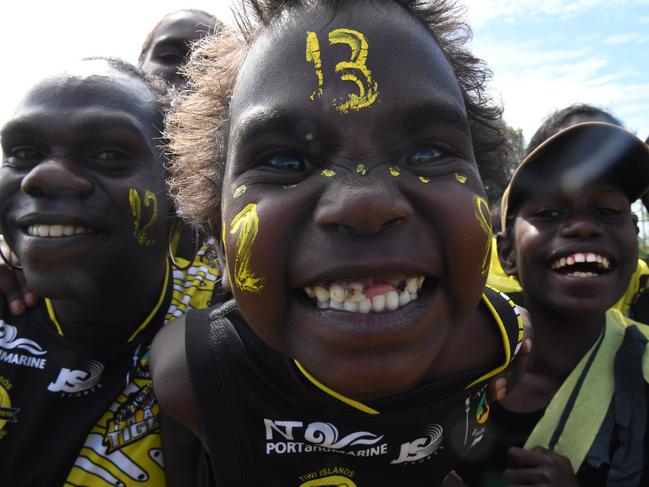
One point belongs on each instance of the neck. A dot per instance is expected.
(561, 340)
(115, 313)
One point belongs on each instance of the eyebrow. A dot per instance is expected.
(262, 121)
(435, 114)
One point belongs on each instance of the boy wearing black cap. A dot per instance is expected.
(570, 238)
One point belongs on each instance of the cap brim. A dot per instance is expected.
(578, 155)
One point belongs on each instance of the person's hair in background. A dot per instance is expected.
(167, 46)
(565, 117)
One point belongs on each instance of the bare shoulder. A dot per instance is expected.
(170, 373)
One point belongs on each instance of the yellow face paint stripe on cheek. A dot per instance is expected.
(140, 232)
(246, 224)
(328, 173)
(361, 169)
(424, 179)
(484, 218)
(461, 178)
(395, 171)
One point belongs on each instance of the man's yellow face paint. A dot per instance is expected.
(484, 218)
(140, 230)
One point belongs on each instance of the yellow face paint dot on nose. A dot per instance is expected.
(246, 225)
(483, 216)
(328, 173)
(424, 179)
(461, 178)
(239, 191)
(361, 169)
(394, 171)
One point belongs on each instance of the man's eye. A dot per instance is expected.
(286, 162)
(25, 153)
(425, 155)
(111, 155)
(606, 211)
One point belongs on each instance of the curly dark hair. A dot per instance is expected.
(566, 117)
(198, 122)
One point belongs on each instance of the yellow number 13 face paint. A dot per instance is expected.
(246, 225)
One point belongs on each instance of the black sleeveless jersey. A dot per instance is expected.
(85, 416)
(267, 422)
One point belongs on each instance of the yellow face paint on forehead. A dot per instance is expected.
(461, 178)
(484, 218)
(395, 171)
(354, 70)
(238, 192)
(361, 169)
(246, 225)
(328, 173)
(140, 231)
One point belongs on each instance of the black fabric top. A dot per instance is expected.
(266, 424)
(618, 443)
(53, 391)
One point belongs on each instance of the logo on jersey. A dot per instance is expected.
(298, 437)
(482, 412)
(134, 419)
(78, 381)
(329, 477)
(7, 413)
(421, 448)
(11, 347)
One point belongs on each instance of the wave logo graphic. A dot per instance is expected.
(421, 448)
(9, 340)
(327, 435)
(77, 380)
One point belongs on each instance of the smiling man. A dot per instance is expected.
(83, 204)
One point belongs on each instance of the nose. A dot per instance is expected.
(580, 224)
(362, 207)
(56, 176)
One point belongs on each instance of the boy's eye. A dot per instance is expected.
(22, 157)
(606, 211)
(425, 155)
(286, 162)
(547, 213)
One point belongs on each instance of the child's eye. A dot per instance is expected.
(23, 157)
(547, 213)
(286, 162)
(25, 153)
(606, 211)
(425, 155)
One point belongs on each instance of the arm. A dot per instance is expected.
(540, 467)
(170, 373)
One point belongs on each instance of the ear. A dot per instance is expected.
(506, 253)
(635, 220)
(216, 229)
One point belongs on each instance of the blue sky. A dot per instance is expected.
(549, 54)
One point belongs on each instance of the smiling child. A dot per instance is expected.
(336, 147)
(570, 237)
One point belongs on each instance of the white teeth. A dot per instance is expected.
(570, 260)
(591, 258)
(350, 295)
(562, 262)
(580, 258)
(605, 263)
(392, 300)
(365, 306)
(412, 285)
(56, 230)
(322, 294)
(378, 303)
(337, 293)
